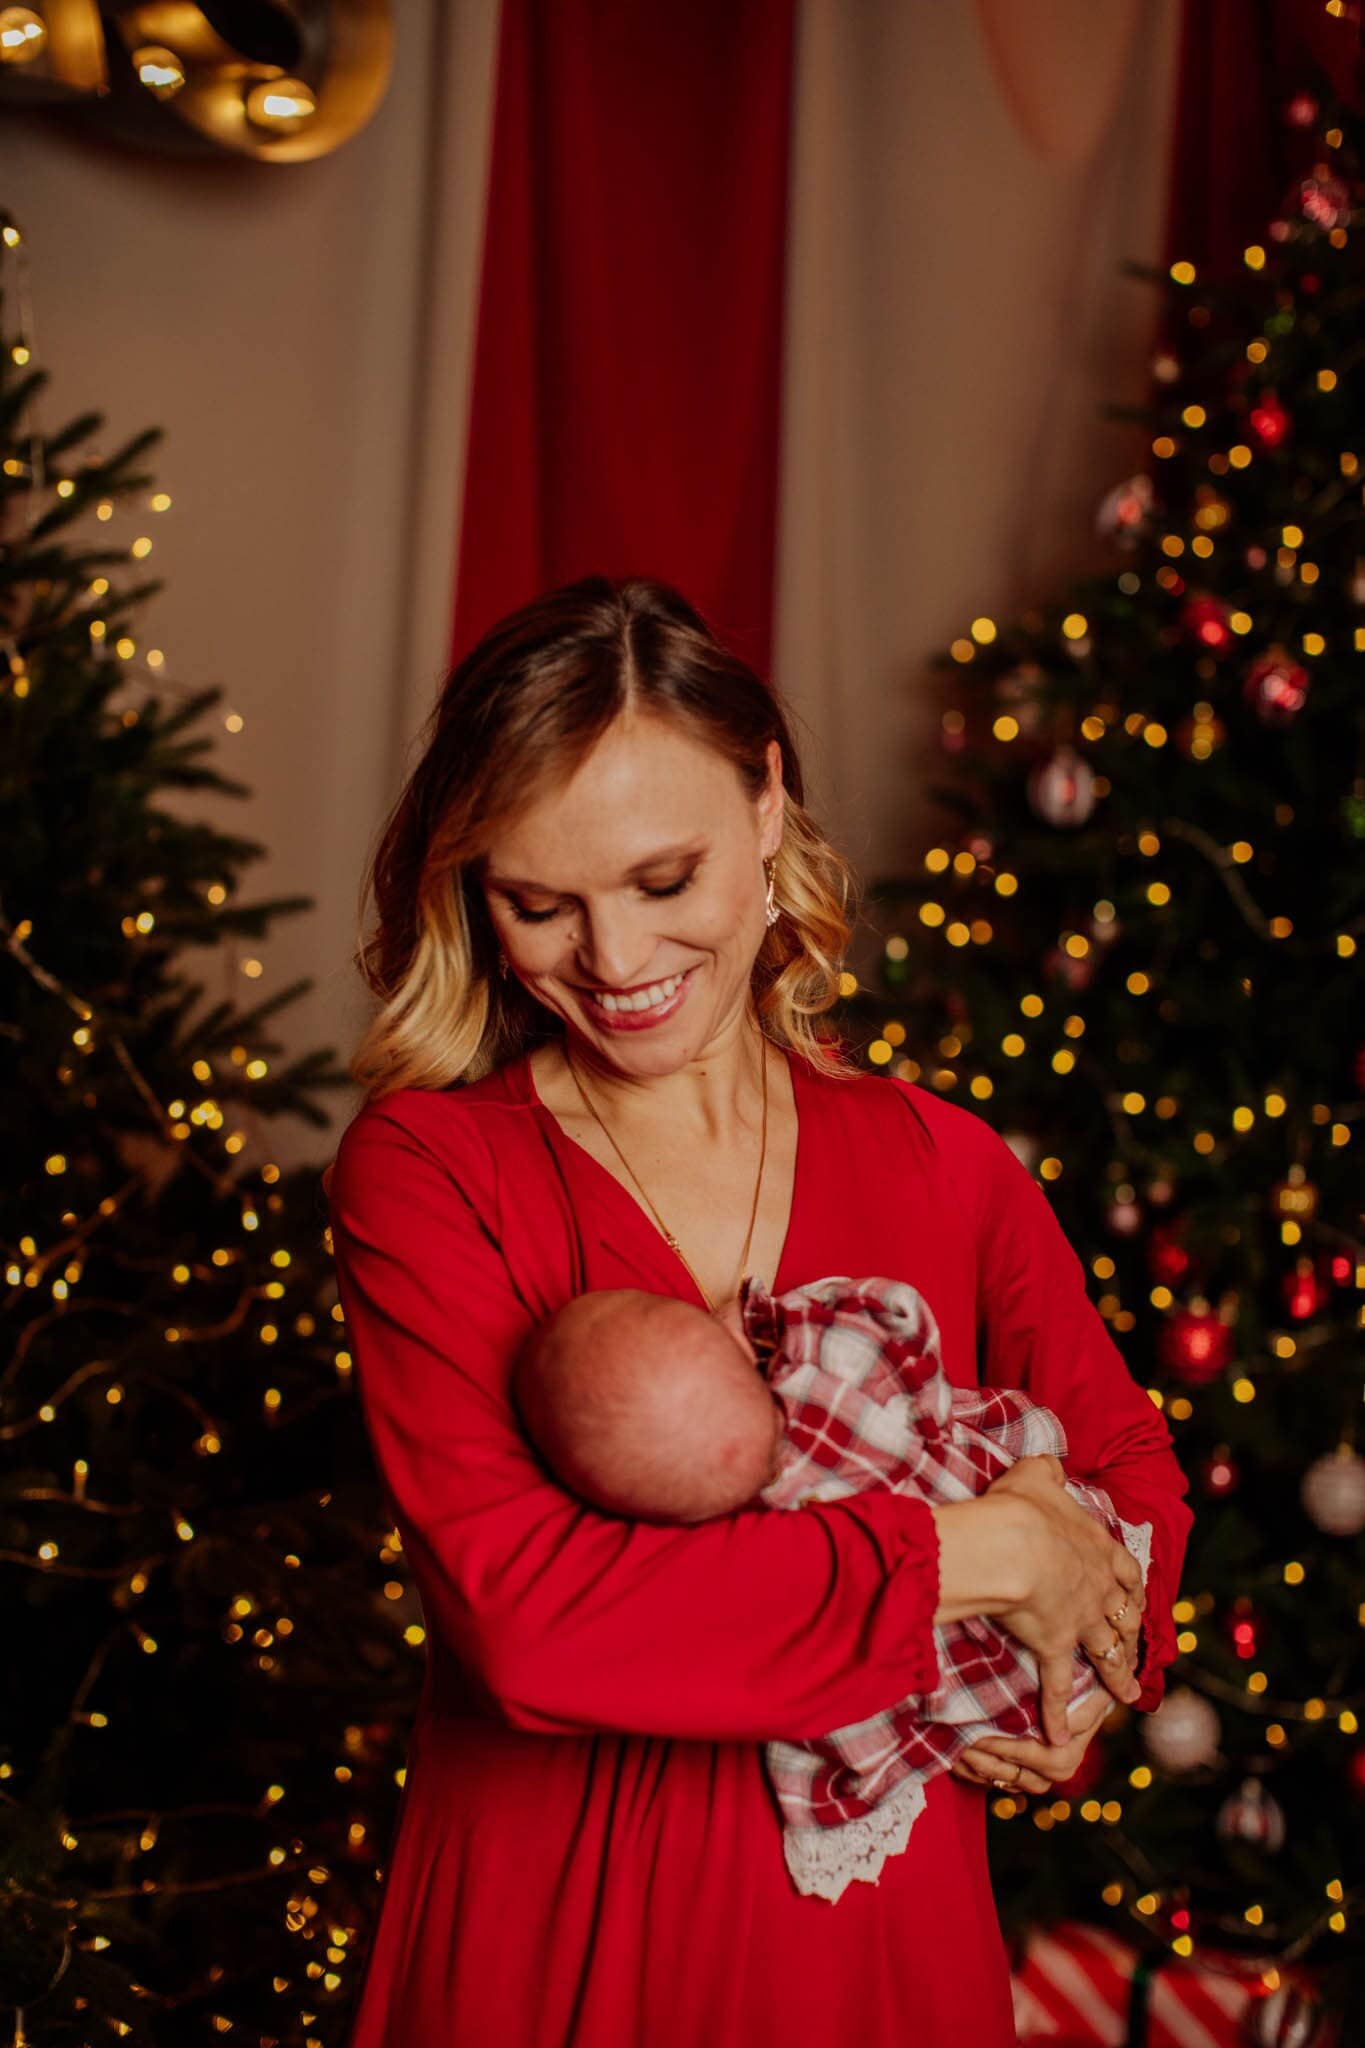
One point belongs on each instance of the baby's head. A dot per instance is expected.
(647, 1406)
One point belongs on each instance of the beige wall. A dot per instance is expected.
(303, 335)
(955, 321)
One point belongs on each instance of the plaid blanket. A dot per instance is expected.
(857, 1366)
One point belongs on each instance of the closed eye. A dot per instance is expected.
(542, 916)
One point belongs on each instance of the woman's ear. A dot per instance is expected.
(771, 801)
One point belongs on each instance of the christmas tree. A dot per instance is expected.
(211, 1646)
(1135, 949)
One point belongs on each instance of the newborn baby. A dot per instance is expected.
(648, 1407)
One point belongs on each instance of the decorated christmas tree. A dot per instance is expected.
(1135, 948)
(210, 1644)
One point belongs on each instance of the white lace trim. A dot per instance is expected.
(825, 1861)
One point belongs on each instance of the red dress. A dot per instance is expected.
(588, 1854)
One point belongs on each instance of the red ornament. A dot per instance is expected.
(1276, 686)
(1207, 620)
(1355, 1769)
(1166, 1256)
(1242, 1625)
(1196, 1345)
(1086, 1775)
(1304, 1290)
(1301, 111)
(1220, 1475)
(1269, 420)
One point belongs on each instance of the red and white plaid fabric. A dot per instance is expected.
(857, 1366)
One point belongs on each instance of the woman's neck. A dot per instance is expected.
(707, 1099)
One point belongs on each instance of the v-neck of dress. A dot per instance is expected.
(801, 1100)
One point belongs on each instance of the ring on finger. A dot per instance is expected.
(1115, 1618)
(1114, 1652)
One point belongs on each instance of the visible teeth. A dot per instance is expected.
(643, 999)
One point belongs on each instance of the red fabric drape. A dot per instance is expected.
(1233, 154)
(626, 395)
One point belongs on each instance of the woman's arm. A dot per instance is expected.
(1038, 1329)
(760, 1624)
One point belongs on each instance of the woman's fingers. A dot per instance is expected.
(979, 1767)
(1112, 1654)
(1055, 1675)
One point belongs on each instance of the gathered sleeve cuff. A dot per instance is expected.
(757, 1625)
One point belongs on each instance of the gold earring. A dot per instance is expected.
(771, 911)
(502, 965)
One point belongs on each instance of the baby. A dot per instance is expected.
(649, 1407)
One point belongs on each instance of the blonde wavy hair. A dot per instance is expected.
(518, 713)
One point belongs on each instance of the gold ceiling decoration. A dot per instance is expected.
(280, 81)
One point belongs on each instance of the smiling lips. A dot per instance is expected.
(651, 997)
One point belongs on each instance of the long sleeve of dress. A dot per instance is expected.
(1039, 1330)
(562, 1619)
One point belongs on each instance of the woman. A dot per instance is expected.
(605, 914)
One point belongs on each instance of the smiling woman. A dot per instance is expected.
(606, 801)
(607, 931)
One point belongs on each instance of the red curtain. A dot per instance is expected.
(625, 407)
(1234, 153)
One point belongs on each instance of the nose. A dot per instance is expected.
(616, 949)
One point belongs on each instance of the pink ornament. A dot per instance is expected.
(1301, 111)
(1062, 789)
(1325, 201)
(1220, 1475)
(1026, 1148)
(1183, 1732)
(1125, 512)
(1333, 1492)
(1252, 1815)
(1276, 686)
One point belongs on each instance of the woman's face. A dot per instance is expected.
(639, 881)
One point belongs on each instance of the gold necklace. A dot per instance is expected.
(669, 1238)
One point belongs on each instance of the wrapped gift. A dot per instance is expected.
(1081, 1987)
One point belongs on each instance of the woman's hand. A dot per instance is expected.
(1019, 1763)
(1081, 1589)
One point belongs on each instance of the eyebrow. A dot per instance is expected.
(653, 860)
